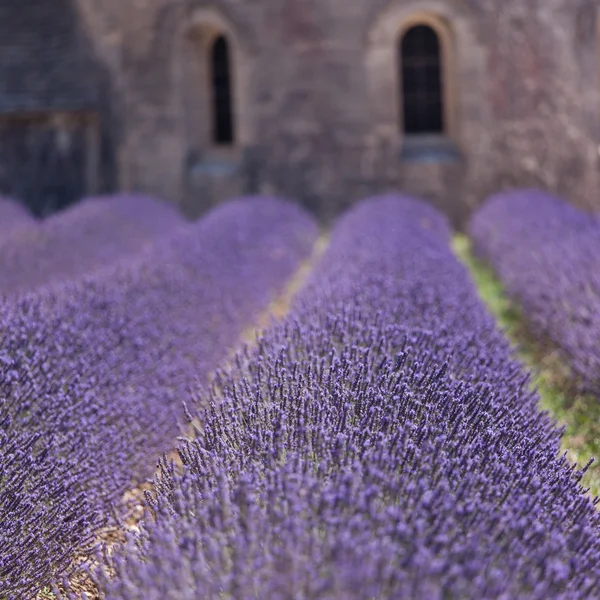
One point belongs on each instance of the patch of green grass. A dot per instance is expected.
(579, 414)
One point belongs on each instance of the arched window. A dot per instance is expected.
(422, 90)
(222, 93)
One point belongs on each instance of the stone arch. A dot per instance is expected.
(217, 13)
(453, 23)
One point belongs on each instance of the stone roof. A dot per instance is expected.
(45, 62)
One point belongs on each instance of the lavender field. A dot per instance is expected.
(381, 440)
(80, 240)
(547, 254)
(94, 373)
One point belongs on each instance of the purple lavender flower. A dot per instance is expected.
(545, 251)
(93, 373)
(14, 217)
(381, 442)
(87, 236)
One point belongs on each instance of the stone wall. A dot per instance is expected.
(543, 62)
(317, 102)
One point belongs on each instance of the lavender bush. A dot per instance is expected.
(84, 237)
(13, 217)
(545, 251)
(93, 374)
(379, 443)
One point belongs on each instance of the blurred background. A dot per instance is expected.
(321, 101)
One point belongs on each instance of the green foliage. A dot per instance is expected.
(579, 414)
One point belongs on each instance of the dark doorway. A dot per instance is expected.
(422, 93)
(43, 163)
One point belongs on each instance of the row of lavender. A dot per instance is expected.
(13, 216)
(93, 373)
(380, 442)
(86, 237)
(547, 254)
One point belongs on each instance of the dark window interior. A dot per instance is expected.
(422, 94)
(222, 99)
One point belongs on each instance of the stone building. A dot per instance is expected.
(325, 101)
(52, 145)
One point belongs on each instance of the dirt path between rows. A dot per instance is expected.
(132, 506)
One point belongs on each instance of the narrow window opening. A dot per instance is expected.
(222, 98)
(422, 86)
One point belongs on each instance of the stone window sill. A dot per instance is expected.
(215, 167)
(429, 149)
(212, 169)
(211, 163)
